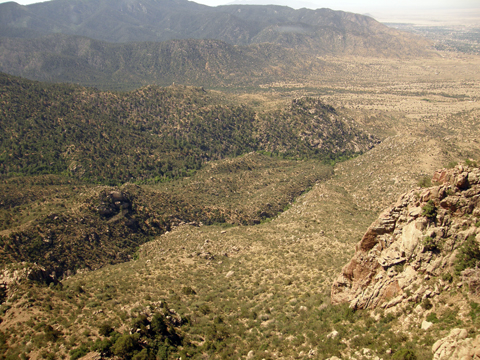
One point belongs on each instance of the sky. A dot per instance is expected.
(344, 4)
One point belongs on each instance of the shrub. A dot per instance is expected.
(404, 354)
(429, 244)
(125, 345)
(432, 317)
(51, 334)
(429, 210)
(447, 277)
(427, 304)
(187, 290)
(105, 329)
(474, 310)
(158, 325)
(79, 352)
(162, 352)
(425, 182)
(471, 163)
(145, 354)
(468, 255)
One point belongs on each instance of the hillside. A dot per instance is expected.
(65, 225)
(211, 63)
(319, 32)
(261, 291)
(64, 147)
(154, 134)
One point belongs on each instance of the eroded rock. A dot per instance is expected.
(416, 237)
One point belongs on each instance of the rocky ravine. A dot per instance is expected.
(417, 239)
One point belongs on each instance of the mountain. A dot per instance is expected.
(66, 58)
(318, 32)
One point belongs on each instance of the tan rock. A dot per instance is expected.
(426, 325)
(410, 238)
(456, 346)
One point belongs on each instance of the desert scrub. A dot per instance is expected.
(429, 210)
(468, 255)
(425, 182)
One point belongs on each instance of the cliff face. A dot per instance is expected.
(415, 239)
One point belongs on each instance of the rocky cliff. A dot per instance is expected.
(432, 232)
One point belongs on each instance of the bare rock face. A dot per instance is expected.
(456, 346)
(414, 238)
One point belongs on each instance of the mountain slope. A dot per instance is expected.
(320, 31)
(63, 58)
(155, 132)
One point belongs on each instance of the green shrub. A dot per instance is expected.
(427, 304)
(432, 317)
(158, 325)
(187, 290)
(447, 277)
(468, 255)
(51, 334)
(429, 244)
(404, 354)
(105, 329)
(125, 345)
(102, 346)
(471, 163)
(429, 210)
(474, 310)
(425, 182)
(145, 354)
(162, 352)
(79, 352)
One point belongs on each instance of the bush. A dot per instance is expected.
(429, 210)
(468, 255)
(429, 244)
(105, 329)
(404, 354)
(427, 304)
(471, 163)
(187, 290)
(145, 354)
(432, 317)
(158, 325)
(125, 345)
(79, 352)
(447, 277)
(425, 182)
(162, 352)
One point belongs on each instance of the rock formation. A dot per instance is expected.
(456, 346)
(416, 238)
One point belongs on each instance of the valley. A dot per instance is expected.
(210, 223)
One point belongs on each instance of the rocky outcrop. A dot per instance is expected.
(415, 238)
(16, 274)
(457, 346)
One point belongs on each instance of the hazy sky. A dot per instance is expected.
(344, 4)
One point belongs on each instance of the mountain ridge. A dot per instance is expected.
(132, 21)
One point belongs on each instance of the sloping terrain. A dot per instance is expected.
(262, 289)
(320, 31)
(212, 63)
(154, 134)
